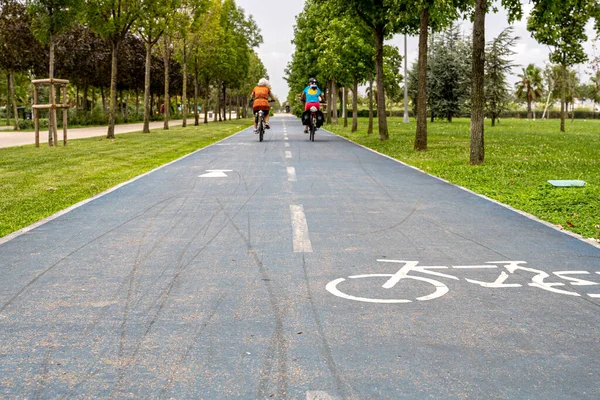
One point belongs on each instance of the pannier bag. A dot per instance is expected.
(306, 118)
(320, 118)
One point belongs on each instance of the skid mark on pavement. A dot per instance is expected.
(340, 384)
(165, 295)
(175, 369)
(278, 344)
(41, 274)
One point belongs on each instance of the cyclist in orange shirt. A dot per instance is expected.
(260, 95)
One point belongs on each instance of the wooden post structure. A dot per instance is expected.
(65, 113)
(36, 118)
(51, 107)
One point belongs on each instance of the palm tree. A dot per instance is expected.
(530, 86)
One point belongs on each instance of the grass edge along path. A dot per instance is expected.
(521, 156)
(36, 183)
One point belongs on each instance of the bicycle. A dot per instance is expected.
(261, 123)
(312, 127)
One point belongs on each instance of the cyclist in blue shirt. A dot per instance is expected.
(312, 95)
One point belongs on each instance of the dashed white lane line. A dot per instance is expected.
(287, 145)
(286, 138)
(291, 174)
(288, 154)
(319, 395)
(300, 227)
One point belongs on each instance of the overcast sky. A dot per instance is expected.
(276, 19)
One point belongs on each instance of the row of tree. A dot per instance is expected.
(449, 80)
(338, 40)
(189, 47)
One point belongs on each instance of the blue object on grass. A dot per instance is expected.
(567, 183)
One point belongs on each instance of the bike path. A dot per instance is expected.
(249, 285)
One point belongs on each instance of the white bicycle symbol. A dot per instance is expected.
(539, 280)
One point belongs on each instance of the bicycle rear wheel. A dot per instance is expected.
(261, 130)
(313, 128)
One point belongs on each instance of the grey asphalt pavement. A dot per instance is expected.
(291, 269)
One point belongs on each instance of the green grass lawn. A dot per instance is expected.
(36, 183)
(520, 157)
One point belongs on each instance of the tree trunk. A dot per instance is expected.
(206, 94)
(52, 129)
(345, 107)
(196, 115)
(563, 98)
(84, 102)
(529, 115)
(224, 103)
(13, 99)
(421, 136)
(478, 95)
(370, 130)
(334, 103)
(355, 105)
(547, 101)
(381, 115)
(217, 113)
(329, 102)
(103, 95)
(166, 59)
(113, 90)
(493, 120)
(184, 94)
(7, 99)
(147, 107)
(121, 104)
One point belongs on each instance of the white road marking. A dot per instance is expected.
(498, 283)
(475, 266)
(287, 145)
(291, 174)
(300, 227)
(215, 173)
(332, 288)
(594, 296)
(288, 154)
(286, 138)
(575, 281)
(412, 266)
(319, 395)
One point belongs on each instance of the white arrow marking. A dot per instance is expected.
(215, 173)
